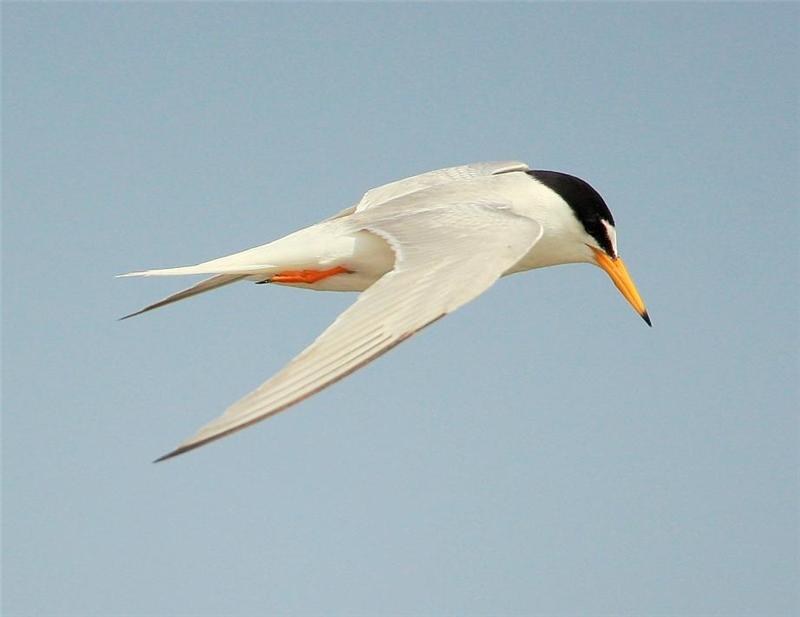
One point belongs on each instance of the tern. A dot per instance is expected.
(417, 249)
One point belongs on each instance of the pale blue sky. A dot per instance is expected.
(539, 452)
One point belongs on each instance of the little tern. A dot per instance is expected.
(417, 249)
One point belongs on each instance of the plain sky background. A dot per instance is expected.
(539, 452)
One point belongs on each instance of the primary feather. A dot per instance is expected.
(437, 269)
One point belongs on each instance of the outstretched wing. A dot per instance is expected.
(445, 257)
(381, 194)
(400, 188)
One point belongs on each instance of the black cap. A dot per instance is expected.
(585, 202)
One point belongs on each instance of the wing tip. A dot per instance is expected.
(177, 452)
(134, 314)
(194, 443)
(168, 456)
(146, 309)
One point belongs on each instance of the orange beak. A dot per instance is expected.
(619, 274)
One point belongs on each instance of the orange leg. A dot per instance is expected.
(307, 276)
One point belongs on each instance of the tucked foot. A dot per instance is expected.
(306, 276)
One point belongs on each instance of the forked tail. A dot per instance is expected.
(203, 286)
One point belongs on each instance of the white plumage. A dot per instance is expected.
(418, 248)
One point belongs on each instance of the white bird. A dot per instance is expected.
(418, 249)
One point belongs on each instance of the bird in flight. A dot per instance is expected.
(417, 249)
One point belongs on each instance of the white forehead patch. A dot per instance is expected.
(612, 235)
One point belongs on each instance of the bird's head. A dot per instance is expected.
(595, 231)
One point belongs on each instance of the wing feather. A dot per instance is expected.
(381, 194)
(445, 257)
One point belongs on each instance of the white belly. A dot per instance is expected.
(367, 256)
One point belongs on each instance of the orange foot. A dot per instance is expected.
(307, 276)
